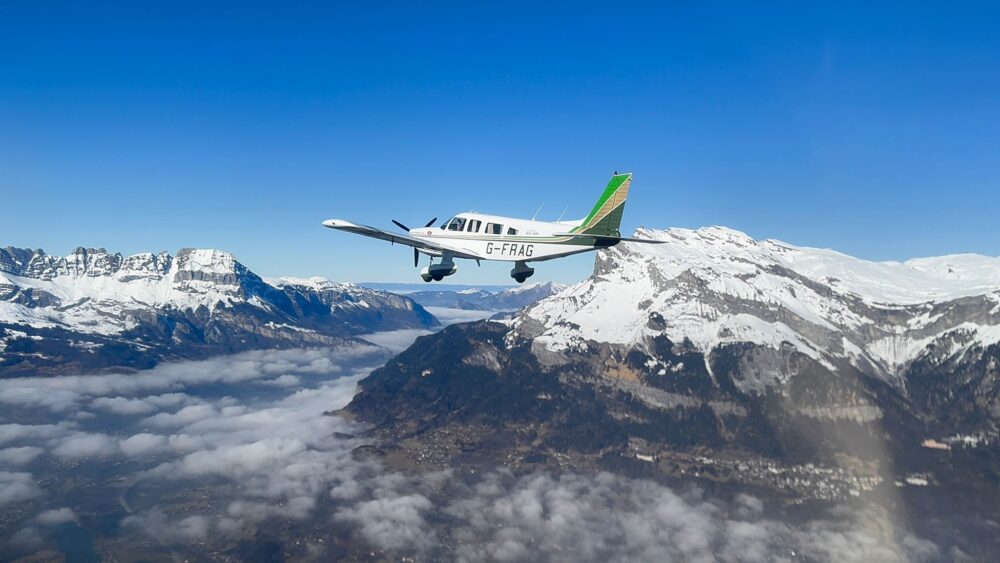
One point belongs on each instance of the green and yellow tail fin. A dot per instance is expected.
(606, 216)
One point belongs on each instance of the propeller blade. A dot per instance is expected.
(431, 222)
(416, 257)
(401, 226)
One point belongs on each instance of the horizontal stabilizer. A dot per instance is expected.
(609, 238)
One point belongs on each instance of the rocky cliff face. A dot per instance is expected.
(95, 310)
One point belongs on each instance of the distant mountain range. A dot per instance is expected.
(96, 310)
(800, 371)
(478, 299)
(407, 288)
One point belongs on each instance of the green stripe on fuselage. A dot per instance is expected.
(540, 239)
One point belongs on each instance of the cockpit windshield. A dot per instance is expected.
(456, 224)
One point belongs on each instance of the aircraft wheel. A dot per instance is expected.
(438, 278)
(520, 279)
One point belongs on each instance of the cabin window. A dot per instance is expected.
(494, 229)
(511, 231)
(474, 225)
(457, 224)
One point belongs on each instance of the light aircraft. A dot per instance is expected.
(476, 236)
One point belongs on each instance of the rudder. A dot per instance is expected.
(605, 218)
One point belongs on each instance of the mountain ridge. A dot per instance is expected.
(733, 363)
(94, 309)
(717, 285)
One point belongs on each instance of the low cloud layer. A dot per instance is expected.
(449, 316)
(55, 516)
(17, 487)
(250, 430)
(501, 517)
(123, 392)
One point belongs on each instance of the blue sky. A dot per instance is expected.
(870, 128)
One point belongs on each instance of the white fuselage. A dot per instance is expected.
(491, 237)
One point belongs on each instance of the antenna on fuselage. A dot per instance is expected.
(536, 211)
(565, 209)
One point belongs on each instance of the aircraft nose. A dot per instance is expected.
(331, 223)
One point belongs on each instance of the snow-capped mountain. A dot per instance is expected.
(95, 309)
(509, 299)
(716, 286)
(720, 356)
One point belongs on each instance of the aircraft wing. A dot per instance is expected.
(374, 232)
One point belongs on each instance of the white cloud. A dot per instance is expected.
(396, 340)
(186, 415)
(143, 405)
(238, 461)
(282, 454)
(155, 522)
(449, 316)
(20, 456)
(606, 517)
(286, 380)
(18, 433)
(171, 400)
(143, 444)
(25, 541)
(65, 393)
(17, 487)
(123, 405)
(85, 445)
(31, 393)
(55, 517)
(393, 521)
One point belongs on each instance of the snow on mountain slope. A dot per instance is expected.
(715, 286)
(348, 294)
(92, 290)
(194, 304)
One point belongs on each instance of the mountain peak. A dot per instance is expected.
(714, 286)
(207, 259)
(317, 283)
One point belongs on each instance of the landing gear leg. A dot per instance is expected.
(521, 272)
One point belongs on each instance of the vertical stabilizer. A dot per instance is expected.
(606, 216)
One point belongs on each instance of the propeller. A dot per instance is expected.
(407, 229)
(416, 253)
